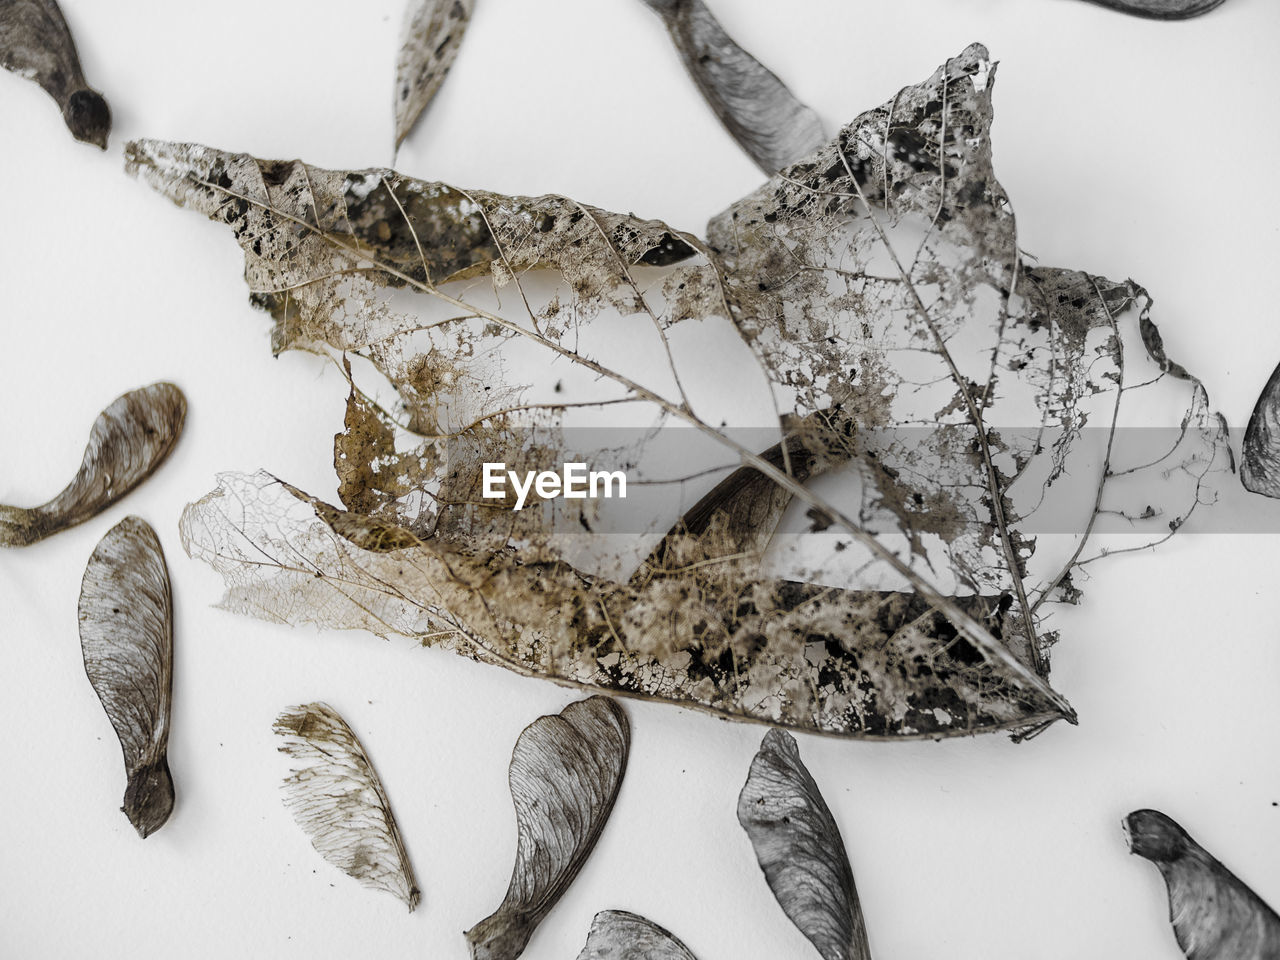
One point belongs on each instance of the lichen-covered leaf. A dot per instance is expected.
(337, 799)
(565, 772)
(429, 41)
(1215, 916)
(1260, 452)
(126, 636)
(769, 123)
(36, 43)
(798, 845)
(619, 935)
(878, 305)
(1161, 9)
(127, 442)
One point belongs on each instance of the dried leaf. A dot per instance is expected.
(337, 799)
(925, 678)
(618, 935)
(565, 772)
(126, 635)
(757, 109)
(1214, 915)
(127, 442)
(798, 845)
(36, 43)
(1161, 9)
(429, 41)
(879, 289)
(1260, 452)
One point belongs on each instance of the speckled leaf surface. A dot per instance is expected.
(769, 123)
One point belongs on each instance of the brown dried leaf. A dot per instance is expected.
(879, 287)
(865, 664)
(429, 41)
(618, 935)
(757, 109)
(1214, 915)
(337, 799)
(126, 635)
(127, 442)
(565, 772)
(798, 845)
(1260, 453)
(36, 43)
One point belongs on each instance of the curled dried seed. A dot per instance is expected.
(618, 935)
(35, 42)
(1214, 915)
(128, 441)
(429, 41)
(565, 772)
(1260, 455)
(1161, 9)
(757, 109)
(798, 845)
(337, 799)
(126, 635)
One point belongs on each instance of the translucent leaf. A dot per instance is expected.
(337, 799)
(757, 109)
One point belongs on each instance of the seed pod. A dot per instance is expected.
(128, 441)
(1214, 915)
(35, 42)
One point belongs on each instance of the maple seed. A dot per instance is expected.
(35, 42)
(337, 799)
(1260, 451)
(566, 769)
(127, 442)
(1161, 9)
(1215, 915)
(619, 935)
(429, 41)
(798, 846)
(573, 483)
(769, 123)
(906, 189)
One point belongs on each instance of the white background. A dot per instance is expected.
(1129, 148)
